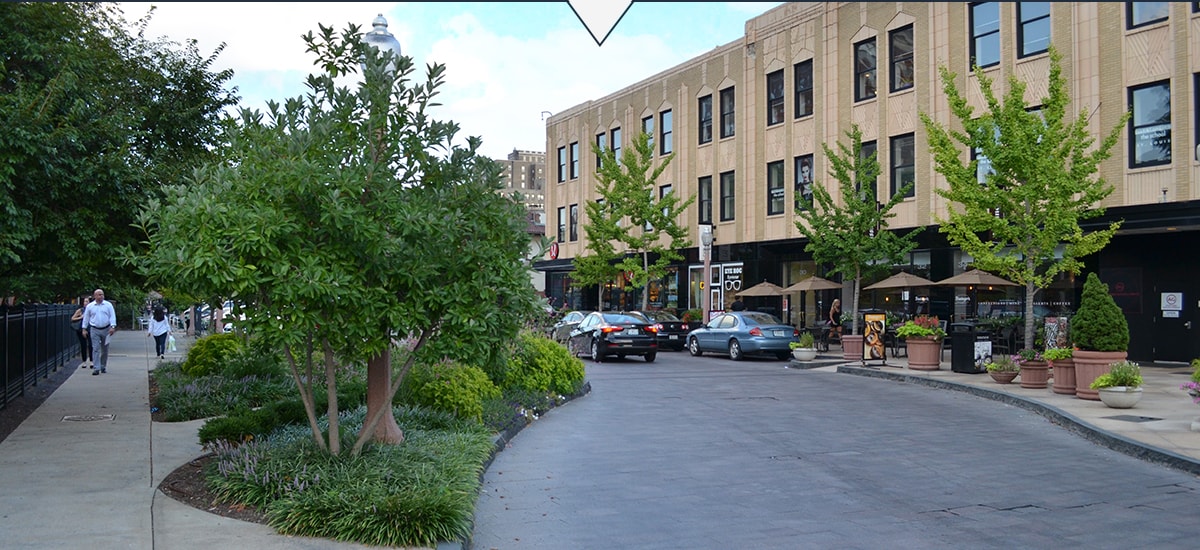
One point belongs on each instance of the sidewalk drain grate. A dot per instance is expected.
(88, 417)
(1132, 418)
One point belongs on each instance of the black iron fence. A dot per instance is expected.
(35, 340)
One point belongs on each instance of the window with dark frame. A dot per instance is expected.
(903, 159)
(614, 143)
(663, 191)
(704, 199)
(562, 225)
(868, 150)
(1033, 28)
(1140, 14)
(648, 127)
(601, 143)
(775, 98)
(776, 194)
(574, 222)
(985, 34)
(574, 160)
(901, 50)
(804, 88)
(704, 108)
(804, 180)
(562, 164)
(1150, 126)
(665, 131)
(727, 197)
(727, 112)
(864, 70)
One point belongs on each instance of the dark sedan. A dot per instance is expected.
(605, 333)
(742, 333)
(562, 329)
(672, 331)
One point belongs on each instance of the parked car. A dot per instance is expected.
(672, 331)
(561, 330)
(604, 333)
(740, 333)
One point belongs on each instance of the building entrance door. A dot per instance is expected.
(1175, 322)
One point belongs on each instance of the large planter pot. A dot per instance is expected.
(1064, 376)
(924, 354)
(1120, 397)
(852, 347)
(1089, 365)
(1003, 376)
(804, 354)
(1035, 374)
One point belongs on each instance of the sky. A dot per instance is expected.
(508, 64)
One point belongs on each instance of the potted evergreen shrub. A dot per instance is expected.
(805, 349)
(1121, 386)
(923, 337)
(1101, 336)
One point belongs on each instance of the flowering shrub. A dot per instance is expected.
(1121, 373)
(1193, 389)
(1028, 354)
(924, 326)
(1002, 364)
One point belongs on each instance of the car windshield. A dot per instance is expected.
(661, 316)
(643, 317)
(621, 318)
(757, 318)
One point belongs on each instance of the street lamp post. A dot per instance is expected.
(706, 240)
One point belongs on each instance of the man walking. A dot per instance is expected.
(99, 324)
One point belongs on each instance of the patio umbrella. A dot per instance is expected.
(901, 280)
(813, 283)
(762, 289)
(976, 277)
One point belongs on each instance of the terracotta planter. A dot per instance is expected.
(1089, 365)
(1003, 376)
(852, 347)
(924, 354)
(1034, 374)
(1120, 397)
(1064, 376)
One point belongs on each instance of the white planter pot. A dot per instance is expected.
(1120, 397)
(804, 354)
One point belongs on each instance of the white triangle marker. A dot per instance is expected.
(599, 15)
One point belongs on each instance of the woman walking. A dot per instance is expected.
(159, 329)
(85, 343)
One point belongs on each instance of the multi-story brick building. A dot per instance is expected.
(746, 122)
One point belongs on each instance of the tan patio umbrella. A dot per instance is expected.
(901, 280)
(813, 283)
(976, 277)
(762, 289)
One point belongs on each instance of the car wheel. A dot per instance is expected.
(596, 355)
(650, 356)
(620, 356)
(782, 356)
(735, 350)
(694, 347)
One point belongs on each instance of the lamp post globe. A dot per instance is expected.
(382, 40)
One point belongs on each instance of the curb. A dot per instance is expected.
(1055, 415)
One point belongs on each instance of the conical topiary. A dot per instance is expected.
(1099, 324)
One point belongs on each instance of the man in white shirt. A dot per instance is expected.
(99, 324)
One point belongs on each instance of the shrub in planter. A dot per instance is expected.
(806, 341)
(1057, 354)
(1002, 364)
(1123, 373)
(1099, 324)
(924, 326)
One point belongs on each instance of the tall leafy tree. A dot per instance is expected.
(351, 225)
(851, 234)
(1022, 219)
(95, 118)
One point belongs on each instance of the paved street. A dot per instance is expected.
(707, 453)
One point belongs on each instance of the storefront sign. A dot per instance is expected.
(876, 324)
(1172, 301)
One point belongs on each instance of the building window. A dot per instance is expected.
(614, 143)
(574, 222)
(562, 224)
(1033, 32)
(665, 145)
(663, 191)
(868, 150)
(705, 199)
(727, 107)
(601, 142)
(775, 97)
(562, 164)
(804, 179)
(901, 50)
(864, 70)
(575, 160)
(1138, 14)
(775, 190)
(648, 127)
(903, 164)
(985, 34)
(1150, 138)
(704, 107)
(727, 202)
(804, 88)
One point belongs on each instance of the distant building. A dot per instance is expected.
(525, 174)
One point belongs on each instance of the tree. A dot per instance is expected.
(349, 225)
(1022, 219)
(629, 189)
(852, 234)
(96, 119)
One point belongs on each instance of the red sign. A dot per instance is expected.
(554, 251)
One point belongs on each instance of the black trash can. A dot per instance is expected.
(966, 345)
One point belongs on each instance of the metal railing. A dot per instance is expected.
(35, 340)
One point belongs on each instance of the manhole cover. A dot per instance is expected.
(88, 417)
(1132, 418)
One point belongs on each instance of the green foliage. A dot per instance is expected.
(1022, 222)
(1099, 324)
(1121, 373)
(1002, 363)
(1029, 354)
(924, 326)
(243, 424)
(182, 397)
(851, 234)
(1196, 370)
(452, 387)
(1058, 354)
(807, 340)
(542, 365)
(211, 354)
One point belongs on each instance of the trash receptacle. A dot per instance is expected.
(969, 348)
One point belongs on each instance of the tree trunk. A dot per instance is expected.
(379, 383)
(646, 289)
(854, 300)
(1030, 292)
